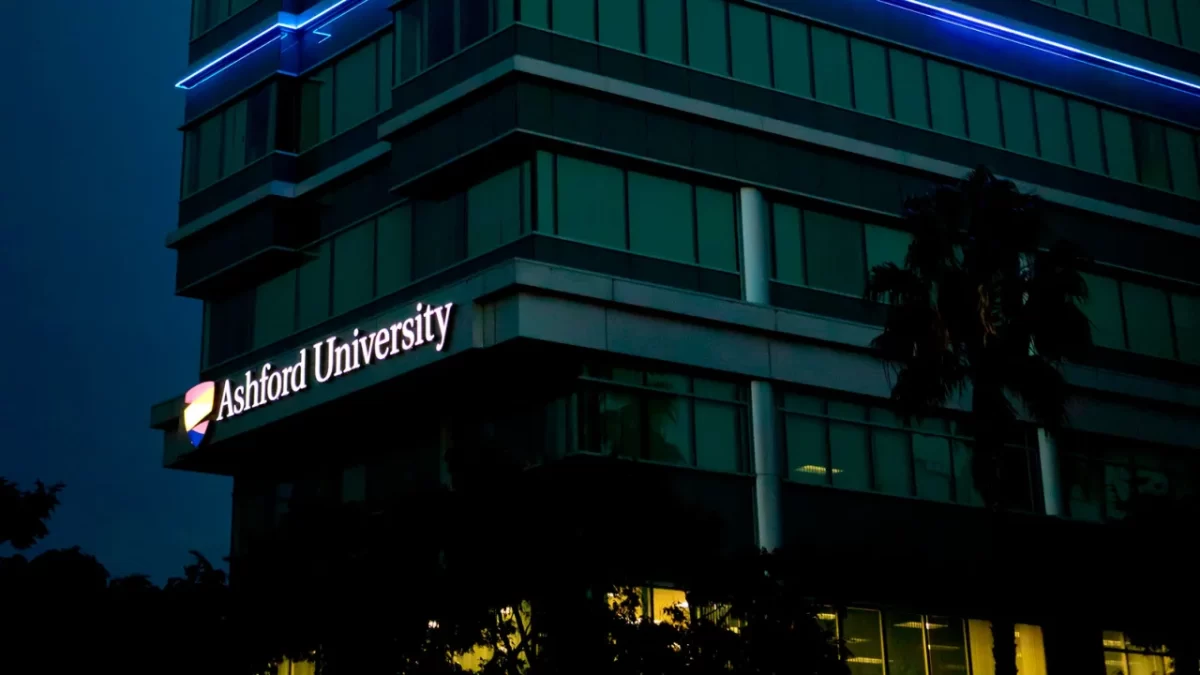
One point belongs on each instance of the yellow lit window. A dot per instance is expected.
(290, 667)
(1121, 657)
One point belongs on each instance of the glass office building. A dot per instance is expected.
(642, 229)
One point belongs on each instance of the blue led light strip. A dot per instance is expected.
(252, 45)
(1044, 44)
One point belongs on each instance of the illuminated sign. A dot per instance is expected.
(326, 360)
(198, 405)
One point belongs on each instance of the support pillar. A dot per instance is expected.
(756, 286)
(1051, 486)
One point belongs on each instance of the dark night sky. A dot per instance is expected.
(90, 333)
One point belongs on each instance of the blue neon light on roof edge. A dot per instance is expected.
(1045, 44)
(255, 43)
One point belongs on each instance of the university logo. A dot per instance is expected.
(197, 406)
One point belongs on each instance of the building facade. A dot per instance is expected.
(642, 229)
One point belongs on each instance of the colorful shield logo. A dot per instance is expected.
(198, 405)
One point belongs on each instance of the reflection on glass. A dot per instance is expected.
(965, 489)
(670, 437)
(860, 630)
(931, 464)
(979, 633)
(664, 602)
(622, 419)
(947, 646)
(1031, 650)
(905, 643)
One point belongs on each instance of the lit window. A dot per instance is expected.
(1122, 657)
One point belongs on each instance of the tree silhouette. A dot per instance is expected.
(23, 514)
(980, 307)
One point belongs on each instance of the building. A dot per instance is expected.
(552, 218)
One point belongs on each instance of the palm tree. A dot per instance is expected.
(980, 308)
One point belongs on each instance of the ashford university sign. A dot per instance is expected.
(329, 360)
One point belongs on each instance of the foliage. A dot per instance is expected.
(980, 307)
(23, 513)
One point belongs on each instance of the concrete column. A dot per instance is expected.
(1051, 486)
(756, 280)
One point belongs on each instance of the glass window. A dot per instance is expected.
(384, 59)
(947, 644)
(669, 437)
(1016, 104)
(789, 56)
(438, 234)
(1122, 657)
(1055, 143)
(619, 22)
(807, 452)
(892, 455)
(789, 250)
(1186, 311)
(850, 459)
(863, 636)
(355, 83)
(1084, 482)
(353, 267)
(1151, 145)
(410, 21)
(718, 434)
(983, 108)
(258, 124)
(945, 98)
(870, 78)
(716, 229)
(235, 138)
(886, 245)
(904, 633)
(494, 212)
(931, 464)
(833, 250)
(1103, 10)
(1147, 320)
(831, 67)
(1162, 20)
(965, 490)
(979, 634)
(544, 170)
(1118, 145)
(707, 48)
(440, 33)
(275, 309)
(473, 20)
(661, 218)
(1181, 151)
(591, 202)
(208, 165)
(231, 325)
(314, 287)
(536, 13)
(1103, 310)
(1189, 23)
(1132, 14)
(505, 13)
(909, 98)
(664, 29)
(394, 256)
(748, 40)
(576, 18)
(1085, 136)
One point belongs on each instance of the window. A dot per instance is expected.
(313, 283)
(1118, 145)
(946, 99)
(1147, 320)
(983, 108)
(1121, 657)
(206, 14)
(1141, 318)
(661, 417)
(923, 644)
(1103, 10)
(790, 56)
(275, 309)
(664, 29)
(870, 78)
(230, 326)
(1189, 22)
(1151, 146)
(1053, 140)
(1103, 310)
(353, 267)
(645, 214)
(1132, 15)
(576, 18)
(706, 36)
(909, 97)
(1100, 475)
(1185, 310)
(619, 21)
(346, 93)
(1162, 20)
(860, 447)
(495, 213)
(833, 249)
(430, 31)
(227, 140)
(393, 258)
(1016, 105)
(1181, 151)
(748, 33)
(831, 67)
(1085, 136)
